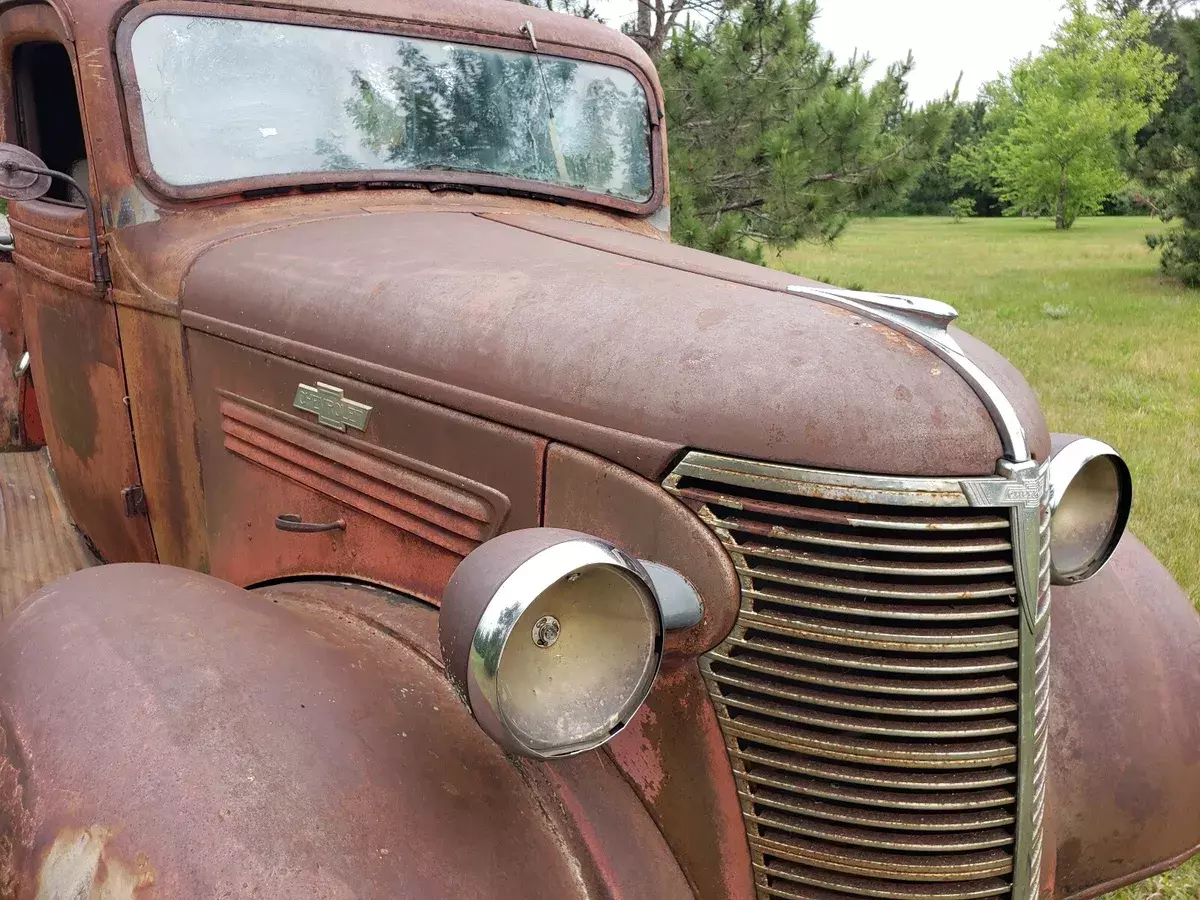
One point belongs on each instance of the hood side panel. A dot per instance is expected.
(663, 253)
(660, 252)
(457, 306)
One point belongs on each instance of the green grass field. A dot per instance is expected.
(1112, 349)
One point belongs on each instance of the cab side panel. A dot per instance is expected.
(71, 328)
(80, 385)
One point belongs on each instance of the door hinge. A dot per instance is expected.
(104, 273)
(135, 501)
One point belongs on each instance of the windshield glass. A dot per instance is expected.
(227, 99)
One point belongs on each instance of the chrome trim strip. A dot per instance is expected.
(927, 321)
(22, 365)
(1022, 488)
(823, 483)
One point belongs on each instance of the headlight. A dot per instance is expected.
(1091, 493)
(554, 638)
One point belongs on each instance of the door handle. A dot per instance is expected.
(293, 523)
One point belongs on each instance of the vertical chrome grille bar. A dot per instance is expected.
(1024, 491)
(884, 693)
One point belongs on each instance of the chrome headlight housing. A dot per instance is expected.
(554, 639)
(1091, 493)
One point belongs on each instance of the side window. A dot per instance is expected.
(48, 119)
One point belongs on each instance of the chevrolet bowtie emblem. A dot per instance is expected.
(331, 406)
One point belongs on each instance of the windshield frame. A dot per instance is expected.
(378, 178)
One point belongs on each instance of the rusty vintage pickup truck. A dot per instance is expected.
(392, 511)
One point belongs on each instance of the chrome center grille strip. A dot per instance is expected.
(884, 693)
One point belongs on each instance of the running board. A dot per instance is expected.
(38, 541)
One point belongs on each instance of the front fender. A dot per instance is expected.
(166, 734)
(1125, 725)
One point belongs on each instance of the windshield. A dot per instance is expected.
(226, 99)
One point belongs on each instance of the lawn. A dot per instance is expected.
(1112, 349)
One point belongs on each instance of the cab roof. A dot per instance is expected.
(500, 18)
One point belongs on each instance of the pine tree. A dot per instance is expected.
(1157, 162)
(1181, 244)
(774, 142)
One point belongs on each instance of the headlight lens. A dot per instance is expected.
(554, 637)
(580, 661)
(1091, 493)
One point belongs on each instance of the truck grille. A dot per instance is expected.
(871, 692)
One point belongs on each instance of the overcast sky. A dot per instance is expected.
(976, 37)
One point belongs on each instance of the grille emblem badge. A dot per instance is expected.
(1025, 489)
(331, 406)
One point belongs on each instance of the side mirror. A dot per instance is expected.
(23, 176)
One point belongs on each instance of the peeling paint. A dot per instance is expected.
(16, 823)
(638, 754)
(77, 867)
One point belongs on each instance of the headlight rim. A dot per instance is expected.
(513, 596)
(1064, 466)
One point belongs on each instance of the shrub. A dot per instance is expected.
(962, 208)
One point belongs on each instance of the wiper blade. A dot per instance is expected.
(441, 167)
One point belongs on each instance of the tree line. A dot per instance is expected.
(774, 141)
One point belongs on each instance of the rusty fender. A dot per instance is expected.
(166, 734)
(1125, 726)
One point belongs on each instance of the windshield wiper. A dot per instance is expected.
(559, 160)
(441, 167)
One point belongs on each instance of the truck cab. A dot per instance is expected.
(391, 510)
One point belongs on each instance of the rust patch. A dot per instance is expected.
(77, 867)
(16, 822)
(695, 803)
(12, 342)
(71, 402)
(639, 755)
(897, 340)
(714, 315)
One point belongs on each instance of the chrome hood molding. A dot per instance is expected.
(928, 322)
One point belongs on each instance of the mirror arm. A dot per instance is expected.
(100, 274)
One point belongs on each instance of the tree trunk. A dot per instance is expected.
(1060, 216)
(644, 19)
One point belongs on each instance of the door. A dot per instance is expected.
(70, 326)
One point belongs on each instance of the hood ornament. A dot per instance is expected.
(933, 313)
(932, 317)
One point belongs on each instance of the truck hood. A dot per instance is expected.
(623, 345)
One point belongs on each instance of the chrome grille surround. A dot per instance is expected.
(884, 695)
